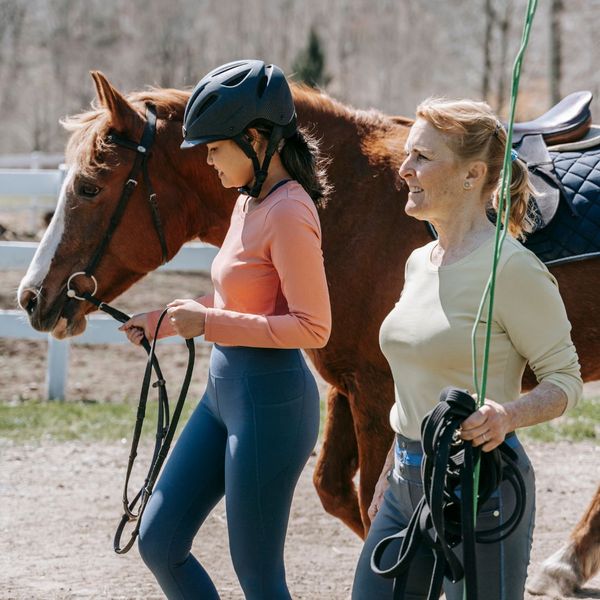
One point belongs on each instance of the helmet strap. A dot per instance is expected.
(260, 171)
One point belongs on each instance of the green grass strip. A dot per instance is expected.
(90, 421)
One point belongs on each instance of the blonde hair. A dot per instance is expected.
(473, 132)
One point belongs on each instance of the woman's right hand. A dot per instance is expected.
(382, 485)
(136, 328)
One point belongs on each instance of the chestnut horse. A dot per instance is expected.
(367, 238)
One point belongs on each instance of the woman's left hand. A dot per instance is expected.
(488, 426)
(187, 317)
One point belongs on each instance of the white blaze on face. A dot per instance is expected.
(40, 265)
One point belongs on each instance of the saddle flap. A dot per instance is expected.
(533, 151)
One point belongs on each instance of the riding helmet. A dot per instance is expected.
(234, 96)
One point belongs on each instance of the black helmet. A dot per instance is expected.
(236, 96)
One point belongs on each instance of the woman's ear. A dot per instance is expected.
(258, 141)
(477, 173)
(251, 134)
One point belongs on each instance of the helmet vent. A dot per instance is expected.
(226, 68)
(262, 85)
(236, 79)
(208, 102)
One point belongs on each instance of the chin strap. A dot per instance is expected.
(260, 171)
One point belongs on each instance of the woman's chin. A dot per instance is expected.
(413, 210)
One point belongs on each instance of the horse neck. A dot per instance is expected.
(200, 206)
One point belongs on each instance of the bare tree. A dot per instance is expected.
(12, 19)
(503, 67)
(556, 15)
(489, 16)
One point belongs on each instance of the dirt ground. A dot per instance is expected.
(60, 502)
(60, 506)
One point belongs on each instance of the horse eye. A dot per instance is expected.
(88, 190)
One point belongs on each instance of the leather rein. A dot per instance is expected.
(166, 426)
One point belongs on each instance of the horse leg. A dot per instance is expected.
(338, 462)
(373, 433)
(568, 569)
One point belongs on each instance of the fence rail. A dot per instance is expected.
(192, 257)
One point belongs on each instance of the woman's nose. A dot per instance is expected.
(406, 169)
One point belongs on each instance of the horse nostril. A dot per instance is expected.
(28, 301)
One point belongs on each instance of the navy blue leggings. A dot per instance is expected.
(248, 439)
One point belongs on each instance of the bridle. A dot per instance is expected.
(142, 150)
(165, 430)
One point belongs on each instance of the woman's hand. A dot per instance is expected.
(136, 328)
(382, 485)
(187, 317)
(488, 426)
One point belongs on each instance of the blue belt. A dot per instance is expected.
(409, 452)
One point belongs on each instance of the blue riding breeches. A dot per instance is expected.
(248, 439)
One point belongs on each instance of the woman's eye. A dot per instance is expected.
(88, 190)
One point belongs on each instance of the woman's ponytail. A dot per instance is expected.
(302, 159)
(520, 221)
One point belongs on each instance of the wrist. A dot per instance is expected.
(511, 417)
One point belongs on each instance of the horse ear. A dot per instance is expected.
(123, 117)
(402, 120)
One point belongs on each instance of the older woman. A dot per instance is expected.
(454, 156)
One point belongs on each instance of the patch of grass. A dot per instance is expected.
(578, 424)
(92, 421)
(85, 421)
(88, 421)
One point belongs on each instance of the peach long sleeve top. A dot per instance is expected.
(270, 289)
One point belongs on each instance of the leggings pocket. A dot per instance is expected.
(277, 387)
(285, 420)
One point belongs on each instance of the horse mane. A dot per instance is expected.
(87, 148)
(382, 136)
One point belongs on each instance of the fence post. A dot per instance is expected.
(56, 370)
(34, 201)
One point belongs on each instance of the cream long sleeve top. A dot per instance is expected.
(426, 338)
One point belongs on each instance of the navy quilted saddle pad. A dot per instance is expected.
(574, 232)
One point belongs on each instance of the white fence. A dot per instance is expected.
(195, 257)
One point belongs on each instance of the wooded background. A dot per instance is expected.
(386, 54)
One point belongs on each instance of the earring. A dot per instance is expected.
(467, 185)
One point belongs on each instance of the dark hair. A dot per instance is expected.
(474, 132)
(303, 160)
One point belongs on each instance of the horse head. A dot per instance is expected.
(83, 231)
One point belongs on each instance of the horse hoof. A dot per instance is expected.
(559, 576)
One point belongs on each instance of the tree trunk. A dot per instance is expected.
(556, 13)
(487, 49)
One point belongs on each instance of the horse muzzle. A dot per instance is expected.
(61, 316)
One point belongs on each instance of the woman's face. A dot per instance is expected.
(233, 166)
(433, 173)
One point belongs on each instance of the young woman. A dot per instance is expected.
(258, 420)
(454, 154)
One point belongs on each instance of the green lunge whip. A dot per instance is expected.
(504, 204)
